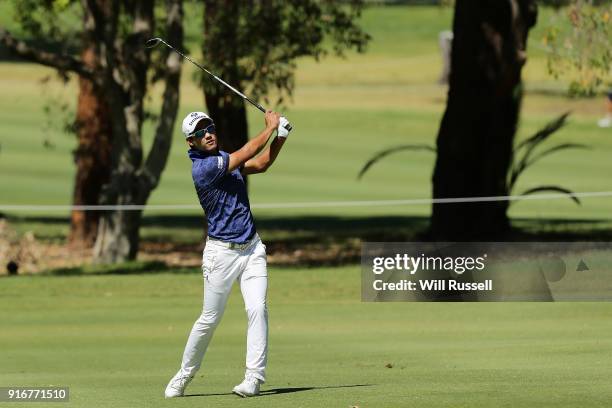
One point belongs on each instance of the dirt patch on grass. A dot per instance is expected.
(45, 257)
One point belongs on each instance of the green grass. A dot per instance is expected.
(116, 340)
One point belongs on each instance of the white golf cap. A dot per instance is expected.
(191, 120)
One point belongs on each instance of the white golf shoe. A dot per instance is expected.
(176, 386)
(249, 387)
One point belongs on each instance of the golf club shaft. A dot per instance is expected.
(154, 41)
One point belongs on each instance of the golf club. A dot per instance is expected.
(153, 42)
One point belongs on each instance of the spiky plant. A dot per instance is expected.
(524, 155)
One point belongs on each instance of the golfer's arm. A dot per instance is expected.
(262, 162)
(249, 150)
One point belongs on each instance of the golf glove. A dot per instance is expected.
(281, 131)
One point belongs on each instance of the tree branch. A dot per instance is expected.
(61, 62)
(104, 19)
(98, 15)
(158, 155)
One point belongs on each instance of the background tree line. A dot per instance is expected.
(254, 46)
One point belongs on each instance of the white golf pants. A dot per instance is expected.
(222, 267)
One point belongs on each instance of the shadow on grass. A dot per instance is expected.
(285, 390)
(128, 268)
(303, 241)
(195, 221)
(329, 229)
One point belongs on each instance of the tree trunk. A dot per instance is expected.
(121, 78)
(118, 236)
(230, 121)
(476, 134)
(227, 110)
(92, 156)
(133, 179)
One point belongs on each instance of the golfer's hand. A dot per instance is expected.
(282, 131)
(272, 119)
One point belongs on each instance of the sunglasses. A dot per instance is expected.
(202, 132)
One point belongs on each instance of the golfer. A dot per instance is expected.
(233, 249)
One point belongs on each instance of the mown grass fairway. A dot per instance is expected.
(116, 340)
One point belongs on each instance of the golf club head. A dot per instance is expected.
(153, 42)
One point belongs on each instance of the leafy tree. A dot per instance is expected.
(119, 74)
(45, 22)
(254, 46)
(579, 41)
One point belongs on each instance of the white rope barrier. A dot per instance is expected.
(315, 204)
